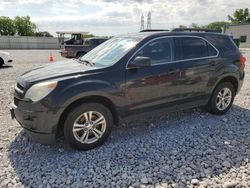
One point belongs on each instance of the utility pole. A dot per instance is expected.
(142, 22)
(149, 21)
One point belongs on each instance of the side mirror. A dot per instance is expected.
(140, 62)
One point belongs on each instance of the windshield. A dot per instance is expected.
(111, 51)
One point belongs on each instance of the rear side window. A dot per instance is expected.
(192, 47)
(159, 51)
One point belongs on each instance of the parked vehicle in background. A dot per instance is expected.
(70, 51)
(76, 38)
(5, 58)
(127, 75)
(77, 45)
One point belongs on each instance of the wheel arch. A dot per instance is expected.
(231, 79)
(211, 105)
(88, 99)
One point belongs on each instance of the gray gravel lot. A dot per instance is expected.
(182, 149)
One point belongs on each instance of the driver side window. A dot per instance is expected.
(159, 51)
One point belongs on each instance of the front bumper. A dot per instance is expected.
(40, 126)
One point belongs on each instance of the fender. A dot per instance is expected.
(86, 88)
(224, 77)
(223, 71)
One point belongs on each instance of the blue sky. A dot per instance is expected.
(111, 17)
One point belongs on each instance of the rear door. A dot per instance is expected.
(196, 58)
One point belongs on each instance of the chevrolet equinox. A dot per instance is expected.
(128, 74)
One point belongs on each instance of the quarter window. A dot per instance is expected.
(191, 48)
(159, 51)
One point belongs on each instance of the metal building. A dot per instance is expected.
(242, 32)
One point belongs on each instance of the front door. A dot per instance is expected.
(147, 86)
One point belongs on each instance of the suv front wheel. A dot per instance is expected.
(88, 126)
(222, 98)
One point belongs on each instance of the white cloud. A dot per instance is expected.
(110, 17)
(29, 1)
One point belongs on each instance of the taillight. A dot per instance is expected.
(242, 61)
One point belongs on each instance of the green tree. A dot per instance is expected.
(87, 35)
(7, 26)
(240, 16)
(192, 25)
(24, 26)
(43, 34)
(219, 25)
(196, 26)
(182, 26)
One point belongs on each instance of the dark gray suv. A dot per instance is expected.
(128, 74)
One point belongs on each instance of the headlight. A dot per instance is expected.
(40, 90)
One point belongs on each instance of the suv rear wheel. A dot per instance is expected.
(222, 98)
(88, 126)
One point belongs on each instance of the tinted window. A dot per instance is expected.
(193, 48)
(211, 50)
(224, 44)
(159, 51)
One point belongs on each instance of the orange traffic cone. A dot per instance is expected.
(50, 57)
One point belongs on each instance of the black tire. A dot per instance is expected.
(212, 107)
(75, 113)
(1, 62)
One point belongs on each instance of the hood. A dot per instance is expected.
(53, 71)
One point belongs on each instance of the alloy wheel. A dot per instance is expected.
(223, 99)
(89, 127)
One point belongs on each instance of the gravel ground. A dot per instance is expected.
(181, 149)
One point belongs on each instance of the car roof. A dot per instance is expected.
(171, 33)
(72, 32)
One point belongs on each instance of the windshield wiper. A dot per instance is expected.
(85, 61)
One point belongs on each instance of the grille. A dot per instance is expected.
(20, 87)
(19, 90)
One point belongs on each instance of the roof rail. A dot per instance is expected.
(153, 30)
(195, 29)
